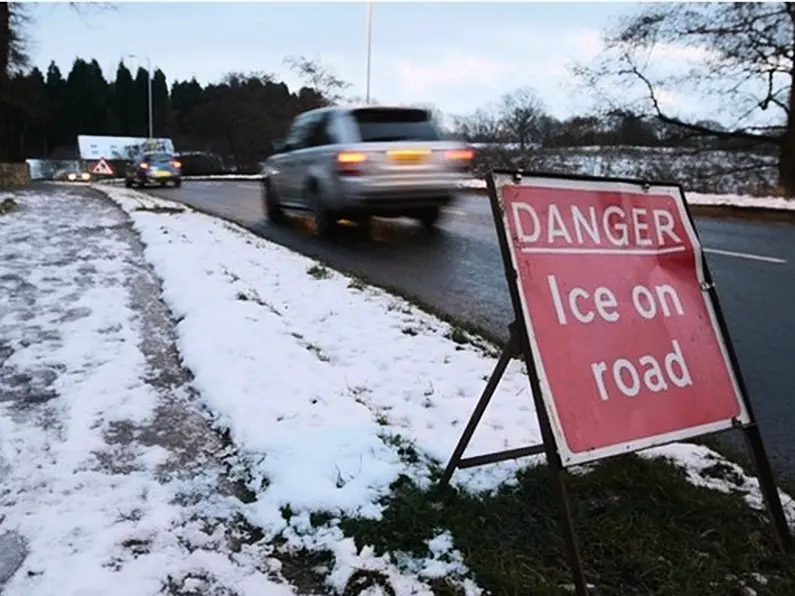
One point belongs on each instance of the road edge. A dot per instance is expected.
(495, 340)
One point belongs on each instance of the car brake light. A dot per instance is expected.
(176, 164)
(349, 162)
(144, 165)
(351, 158)
(459, 154)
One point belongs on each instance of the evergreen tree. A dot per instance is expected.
(121, 99)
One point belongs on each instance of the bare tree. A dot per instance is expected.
(739, 56)
(482, 126)
(436, 114)
(521, 115)
(318, 77)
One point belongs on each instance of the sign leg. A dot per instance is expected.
(767, 483)
(567, 521)
(508, 352)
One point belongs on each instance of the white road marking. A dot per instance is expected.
(744, 255)
(456, 212)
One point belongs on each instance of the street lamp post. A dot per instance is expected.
(369, 48)
(148, 93)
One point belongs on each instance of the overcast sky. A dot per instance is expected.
(458, 56)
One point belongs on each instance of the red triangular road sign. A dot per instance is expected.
(102, 167)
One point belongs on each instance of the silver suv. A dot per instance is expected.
(354, 163)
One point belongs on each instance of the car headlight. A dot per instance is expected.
(72, 176)
(85, 176)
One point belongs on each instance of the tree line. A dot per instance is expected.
(238, 117)
(234, 118)
(520, 119)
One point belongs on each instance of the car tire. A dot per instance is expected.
(270, 204)
(325, 218)
(365, 223)
(178, 183)
(142, 184)
(128, 183)
(429, 217)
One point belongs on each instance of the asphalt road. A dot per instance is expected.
(460, 271)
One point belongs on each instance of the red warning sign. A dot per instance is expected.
(102, 168)
(627, 345)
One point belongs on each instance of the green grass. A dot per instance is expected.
(643, 530)
(319, 272)
(8, 205)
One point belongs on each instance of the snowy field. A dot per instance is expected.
(717, 200)
(120, 346)
(705, 171)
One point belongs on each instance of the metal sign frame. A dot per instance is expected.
(520, 343)
(567, 456)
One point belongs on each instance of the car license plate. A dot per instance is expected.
(408, 156)
(161, 174)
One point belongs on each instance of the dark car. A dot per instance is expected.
(71, 174)
(153, 168)
(201, 163)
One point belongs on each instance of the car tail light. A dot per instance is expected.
(176, 164)
(459, 154)
(460, 159)
(350, 162)
(144, 165)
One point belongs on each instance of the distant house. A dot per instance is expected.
(117, 150)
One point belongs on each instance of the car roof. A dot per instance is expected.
(359, 107)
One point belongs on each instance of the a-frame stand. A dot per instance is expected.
(511, 350)
(518, 346)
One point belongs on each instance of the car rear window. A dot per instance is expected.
(390, 124)
(158, 157)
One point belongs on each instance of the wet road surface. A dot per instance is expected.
(460, 272)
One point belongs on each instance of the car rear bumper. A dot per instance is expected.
(159, 177)
(389, 194)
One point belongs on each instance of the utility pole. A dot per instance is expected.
(148, 94)
(369, 48)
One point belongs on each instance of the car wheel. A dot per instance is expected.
(128, 183)
(141, 183)
(163, 184)
(325, 218)
(177, 182)
(365, 223)
(429, 217)
(270, 204)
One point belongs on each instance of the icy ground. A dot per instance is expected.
(112, 481)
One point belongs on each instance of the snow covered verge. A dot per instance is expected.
(333, 390)
(111, 480)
